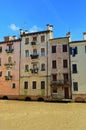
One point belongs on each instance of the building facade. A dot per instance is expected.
(9, 67)
(78, 69)
(60, 68)
(34, 77)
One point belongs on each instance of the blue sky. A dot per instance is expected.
(33, 15)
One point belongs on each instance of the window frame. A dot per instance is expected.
(25, 84)
(53, 49)
(42, 84)
(75, 86)
(34, 85)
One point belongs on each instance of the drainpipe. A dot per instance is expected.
(47, 70)
(70, 72)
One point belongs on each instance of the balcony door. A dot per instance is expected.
(66, 93)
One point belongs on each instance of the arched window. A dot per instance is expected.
(34, 51)
(10, 59)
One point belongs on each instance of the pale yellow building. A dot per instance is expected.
(34, 77)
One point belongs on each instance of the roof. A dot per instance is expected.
(33, 33)
(60, 38)
(77, 41)
(16, 40)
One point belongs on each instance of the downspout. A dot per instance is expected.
(47, 70)
(70, 72)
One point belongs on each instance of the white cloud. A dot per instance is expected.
(34, 29)
(14, 27)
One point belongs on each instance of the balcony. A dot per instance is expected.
(34, 70)
(34, 56)
(9, 77)
(9, 65)
(57, 82)
(33, 43)
(9, 50)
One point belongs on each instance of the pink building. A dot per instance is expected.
(9, 67)
(60, 68)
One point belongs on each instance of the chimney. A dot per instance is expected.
(49, 27)
(26, 31)
(84, 36)
(8, 38)
(21, 31)
(69, 36)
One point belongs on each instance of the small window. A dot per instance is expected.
(10, 59)
(35, 39)
(25, 85)
(42, 51)
(65, 63)
(53, 49)
(0, 73)
(65, 75)
(43, 67)
(73, 51)
(13, 85)
(75, 86)
(34, 51)
(26, 68)
(64, 48)
(34, 85)
(26, 40)
(0, 49)
(54, 77)
(42, 84)
(74, 68)
(54, 64)
(54, 90)
(26, 53)
(42, 38)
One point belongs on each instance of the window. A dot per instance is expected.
(43, 38)
(34, 84)
(65, 75)
(26, 40)
(0, 73)
(0, 49)
(42, 51)
(73, 51)
(53, 49)
(34, 39)
(9, 47)
(75, 86)
(54, 64)
(26, 53)
(54, 77)
(42, 84)
(64, 48)
(55, 90)
(42, 67)
(65, 63)
(0, 61)
(34, 51)
(26, 68)
(13, 85)
(9, 73)
(10, 59)
(25, 85)
(74, 68)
